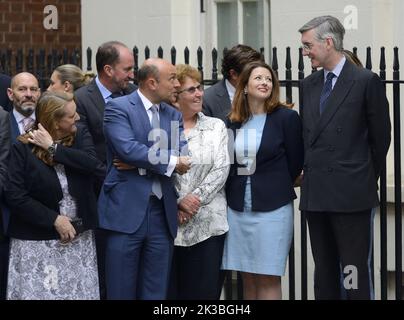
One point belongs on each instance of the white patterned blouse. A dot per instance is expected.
(207, 144)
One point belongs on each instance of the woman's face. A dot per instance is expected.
(190, 97)
(56, 84)
(67, 124)
(260, 84)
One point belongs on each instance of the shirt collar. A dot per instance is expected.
(19, 117)
(230, 89)
(104, 91)
(338, 68)
(146, 102)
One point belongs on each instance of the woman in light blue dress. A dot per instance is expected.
(268, 158)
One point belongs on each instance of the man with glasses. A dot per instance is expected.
(346, 130)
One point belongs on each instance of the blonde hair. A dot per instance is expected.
(74, 75)
(48, 112)
(186, 71)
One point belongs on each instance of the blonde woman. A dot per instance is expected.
(68, 78)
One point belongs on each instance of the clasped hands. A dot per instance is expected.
(187, 208)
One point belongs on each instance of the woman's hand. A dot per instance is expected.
(190, 204)
(65, 229)
(298, 181)
(40, 137)
(122, 165)
(183, 217)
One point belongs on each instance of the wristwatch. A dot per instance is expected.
(52, 149)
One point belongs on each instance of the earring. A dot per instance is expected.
(245, 91)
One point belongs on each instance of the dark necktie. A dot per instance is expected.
(116, 95)
(325, 93)
(155, 124)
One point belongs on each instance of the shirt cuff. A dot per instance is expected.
(171, 166)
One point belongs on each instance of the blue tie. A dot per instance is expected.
(155, 123)
(326, 91)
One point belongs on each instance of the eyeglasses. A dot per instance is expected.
(191, 90)
(307, 46)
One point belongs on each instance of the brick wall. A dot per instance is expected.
(21, 25)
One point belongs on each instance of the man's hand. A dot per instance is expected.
(183, 165)
(122, 165)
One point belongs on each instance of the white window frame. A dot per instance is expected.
(240, 25)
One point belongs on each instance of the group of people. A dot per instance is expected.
(115, 191)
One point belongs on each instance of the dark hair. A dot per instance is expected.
(241, 110)
(107, 54)
(237, 57)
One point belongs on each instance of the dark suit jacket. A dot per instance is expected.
(216, 101)
(279, 161)
(5, 82)
(125, 194)
(33, 191)
(346, 147)
(90, 107)
(15, 130)
(4, 152)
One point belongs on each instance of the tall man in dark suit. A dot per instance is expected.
(218, 98)
(346, 128)
(115, 71)
(115, 65)
(138, 207)
(5, 143)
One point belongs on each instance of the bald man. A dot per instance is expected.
(138, 207)
(24, 94)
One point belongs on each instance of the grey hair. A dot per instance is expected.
(327, 27)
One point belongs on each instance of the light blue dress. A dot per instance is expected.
(257, 242)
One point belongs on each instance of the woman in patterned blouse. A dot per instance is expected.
(202, 203)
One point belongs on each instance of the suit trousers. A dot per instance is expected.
(138, 264)
(342, 242)
(195, 273)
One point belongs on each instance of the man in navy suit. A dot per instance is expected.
(346, 129)
(218, 98)
(138, 207)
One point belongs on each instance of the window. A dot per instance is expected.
(241, 21)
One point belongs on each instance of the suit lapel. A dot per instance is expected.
(15, 131)
(315, 92)
(96, 96)
(337, 96)
(140, 112)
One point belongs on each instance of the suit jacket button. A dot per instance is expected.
(330, 169)
(339, 129)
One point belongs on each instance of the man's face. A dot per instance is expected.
(316, 50)
(24, 93)
(122, 71)
(167, 84)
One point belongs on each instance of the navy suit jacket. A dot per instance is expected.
(4, 152)
(5, 82)
(279, 162)
(346, 147)
(125, 194)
